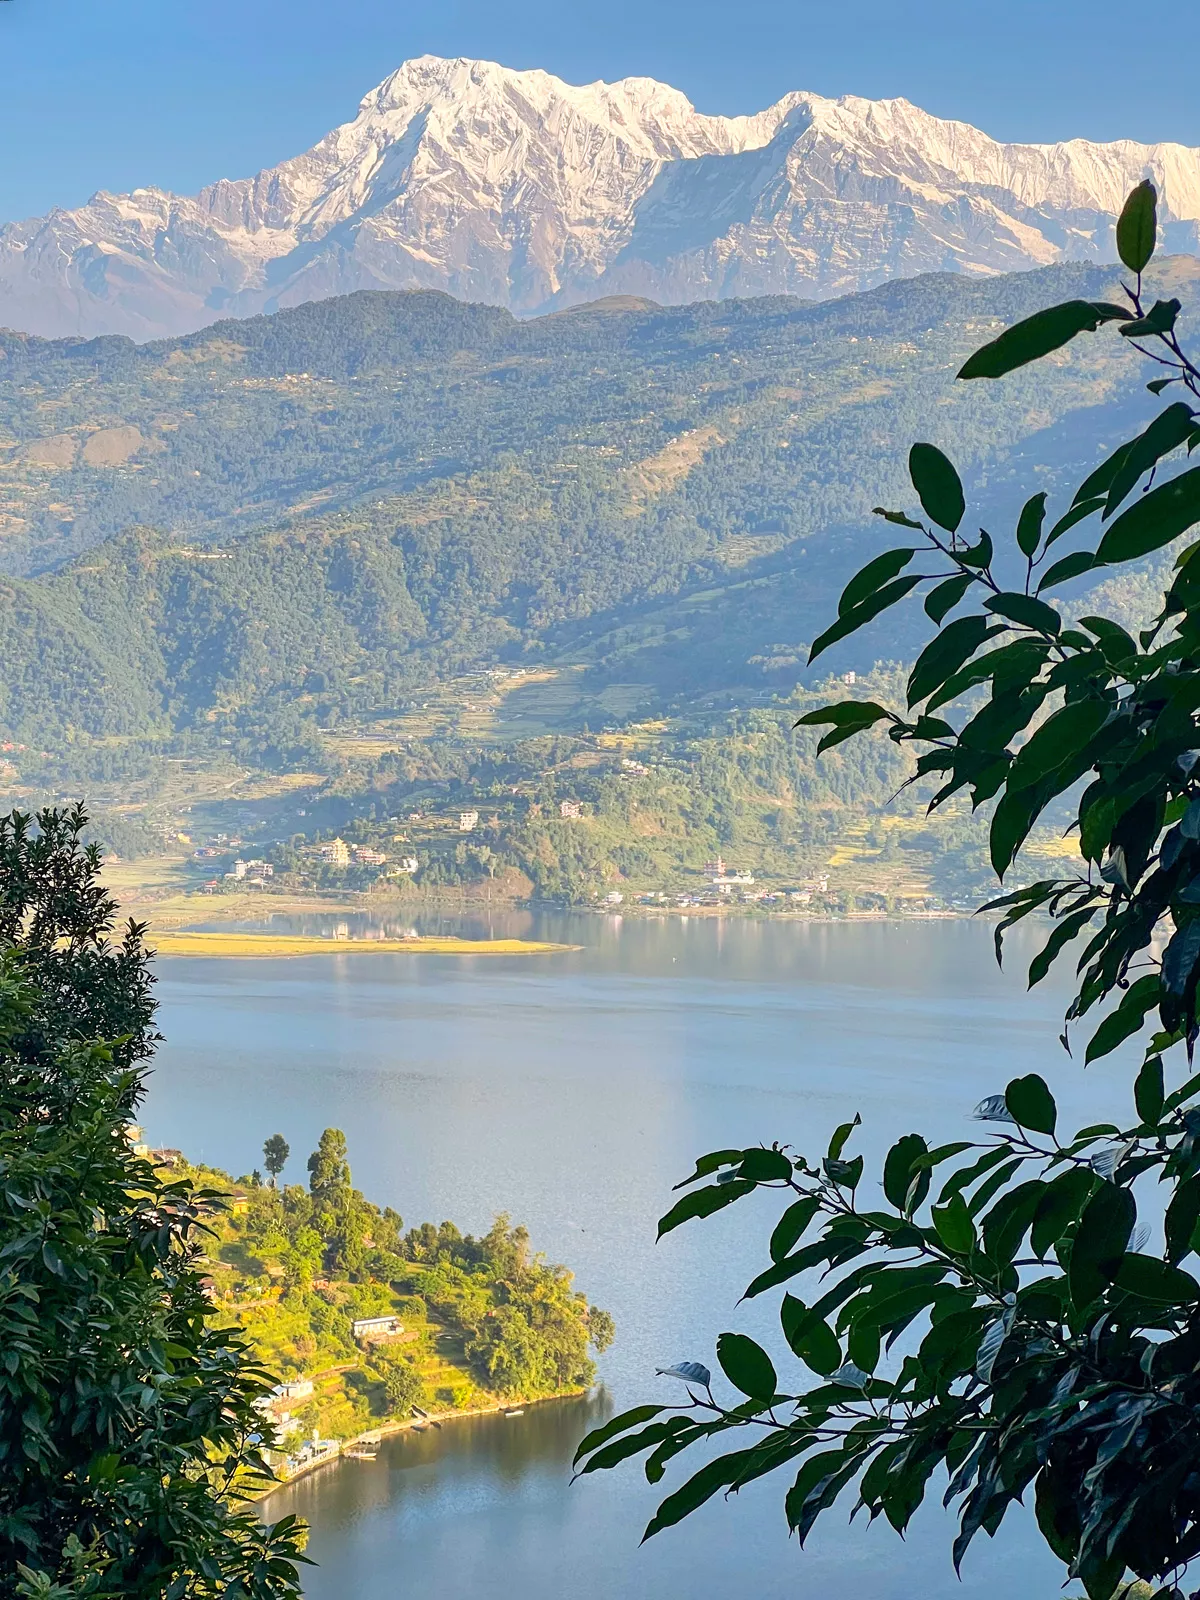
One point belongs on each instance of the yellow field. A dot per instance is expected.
(185, 943)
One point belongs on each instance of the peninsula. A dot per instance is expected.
(368, 1326)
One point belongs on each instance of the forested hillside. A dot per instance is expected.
(301, 542)
(351, 498)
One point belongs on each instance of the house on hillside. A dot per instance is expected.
(570, 810)
(294, 1389)
(336, 852)
(376, 1330)
(467, 821)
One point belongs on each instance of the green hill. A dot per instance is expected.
(397, 523)
(310, 516)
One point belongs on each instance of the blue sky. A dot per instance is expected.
(127, 92)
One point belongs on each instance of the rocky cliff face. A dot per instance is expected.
(518, 189)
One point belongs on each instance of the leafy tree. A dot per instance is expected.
(402, 1382)
(127, 1422)
(998, 1314)
(329, 1169)
(602, 1329)
(276, 1151)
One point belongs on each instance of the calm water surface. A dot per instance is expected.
(572, 1091)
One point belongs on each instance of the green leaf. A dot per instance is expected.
(945, 653)
(1059, 1207)
(615, 1425)
(1152, 1279)
(1125, 1021)
(1160, 319)
(711, 1163)
(1038, 335)
(938, 485)
(1183, 1213)
(1057, 1517)
(954, 1225)
(765, 1166)
(1137, 227)
(1072, 566)
(1031, 1103)
(747, 1366)
(1101, 1239)
(948, 1349)
(703, 1202)
(1029, 524)
(898, 1170)
(1167, 432)
(847, 717)
(1180, 958)
(1099, 481)
(1005, 1224)
(1080, 510)
(1059, 740)
(612, 1453)
(1148, 1091)
(862, 614)
(976, 555)
(716, 1475)
(1153, 521)
(896, 516)
(945, 596)
(1023, 608)
(872, 577)
(1011, 821)
(812, 1255)
(846, 1174)
(810, 1336)
(1114, 641)
(816, 1486)
(792, 1225)
(841, 1134)
(1064, 931)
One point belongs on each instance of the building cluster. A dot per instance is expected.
(337, 853)
(253, 874)
(726, 879)
(726, 883)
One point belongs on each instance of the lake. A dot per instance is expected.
(572, 1091)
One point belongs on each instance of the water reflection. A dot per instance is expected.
(486, 1460)
(573, 1091)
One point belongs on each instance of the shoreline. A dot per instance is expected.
(256, 946)
(387, 1430)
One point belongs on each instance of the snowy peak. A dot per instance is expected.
(516, 188)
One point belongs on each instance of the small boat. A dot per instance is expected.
(419, 1427)
(515, 1411)
(360, 1454)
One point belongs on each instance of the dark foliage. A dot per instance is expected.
(127, 1424)
(998, 1314)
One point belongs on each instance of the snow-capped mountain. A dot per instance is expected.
(521, 190)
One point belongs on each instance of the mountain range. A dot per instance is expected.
(519, 190)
